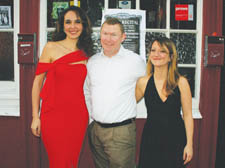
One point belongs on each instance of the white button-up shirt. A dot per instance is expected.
(110, 85)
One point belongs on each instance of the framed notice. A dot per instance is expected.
(57, 8)
(5, 17)
(134, 25)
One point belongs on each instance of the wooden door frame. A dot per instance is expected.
(29, 23)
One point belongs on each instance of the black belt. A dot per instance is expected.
(125, 122)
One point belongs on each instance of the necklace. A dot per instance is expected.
(69, 49)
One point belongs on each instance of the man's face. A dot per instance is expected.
(111, 39)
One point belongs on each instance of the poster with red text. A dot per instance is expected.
(184, 12)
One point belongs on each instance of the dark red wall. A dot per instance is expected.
(29, 23)
(18, 148)
(210, 89)
(12, 143)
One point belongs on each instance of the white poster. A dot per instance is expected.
(134, 25)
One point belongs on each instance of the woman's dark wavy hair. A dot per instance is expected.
(85, 42)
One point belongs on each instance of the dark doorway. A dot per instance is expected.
(220, 153)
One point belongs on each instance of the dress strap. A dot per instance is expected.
(148, 88)
(43, 67)
(72, 57)
(48, 89)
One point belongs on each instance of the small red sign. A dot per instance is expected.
(181, 12)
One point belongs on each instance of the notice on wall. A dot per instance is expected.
(134, 25)
(124, 4)
(184, 12)
(5, 17)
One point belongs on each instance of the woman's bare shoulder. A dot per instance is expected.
(182, 81)
(183, 84)
(142, 81)
(145, 78)
(51, 46)
(141, 85)
(48, 52)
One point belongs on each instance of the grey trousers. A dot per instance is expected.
(113, 147)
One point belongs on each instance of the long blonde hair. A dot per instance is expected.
(173, 74)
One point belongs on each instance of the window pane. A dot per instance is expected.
(189, 73)
(183, 14)
(96, 41)
(49, 35)
(94, 10)
(6, 14)
(54, 7)
(6, 56)
(186, 47)
(95, 38)
(155, 13)
(123, 4)
(149, 38)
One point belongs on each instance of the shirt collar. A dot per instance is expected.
(117, 55)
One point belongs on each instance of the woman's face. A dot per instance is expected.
(159, 55)
(72, 25)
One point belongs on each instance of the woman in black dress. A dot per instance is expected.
(167, 138)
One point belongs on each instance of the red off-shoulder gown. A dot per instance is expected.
(64, 116)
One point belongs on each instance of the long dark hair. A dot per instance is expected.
(85, 42)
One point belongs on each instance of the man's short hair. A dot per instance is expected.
(114, 21)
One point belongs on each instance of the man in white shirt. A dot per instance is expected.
(110, 98)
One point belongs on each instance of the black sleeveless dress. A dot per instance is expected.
(163, 137)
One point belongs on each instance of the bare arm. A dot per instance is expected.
(36, 89)
(186, 101)
(140, 87)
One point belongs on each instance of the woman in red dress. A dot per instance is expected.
(59, 80)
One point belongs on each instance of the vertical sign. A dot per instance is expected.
(191, 12)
